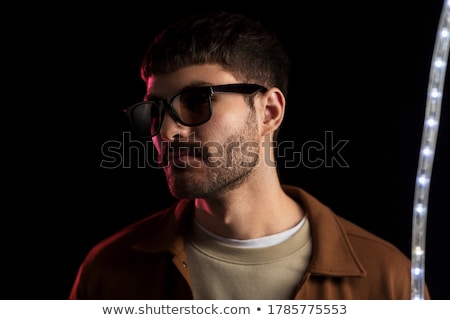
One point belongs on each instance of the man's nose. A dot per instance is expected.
(170, 128)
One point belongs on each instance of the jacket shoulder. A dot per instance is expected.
(116, 257)
(362, 240)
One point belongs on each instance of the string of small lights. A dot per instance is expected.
(427, 151)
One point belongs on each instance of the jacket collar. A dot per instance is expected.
(333, 255)
(167, 233)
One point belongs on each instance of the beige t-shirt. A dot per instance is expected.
(221, 271)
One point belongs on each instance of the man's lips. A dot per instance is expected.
(180, 153)
(183, 160)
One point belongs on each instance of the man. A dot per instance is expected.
(216, 97)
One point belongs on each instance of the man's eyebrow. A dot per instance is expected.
(194, 84)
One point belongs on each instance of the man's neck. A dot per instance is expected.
(253, 210)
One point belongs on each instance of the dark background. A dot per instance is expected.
(359, 70)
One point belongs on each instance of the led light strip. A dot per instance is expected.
(427, 150)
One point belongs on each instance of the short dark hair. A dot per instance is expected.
(241, 45)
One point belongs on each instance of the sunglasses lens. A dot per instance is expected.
(192, 106)
(146, 119)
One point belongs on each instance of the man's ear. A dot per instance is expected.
(273, 111)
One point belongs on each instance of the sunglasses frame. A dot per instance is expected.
(166, 104)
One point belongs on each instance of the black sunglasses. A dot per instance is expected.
(190, 107)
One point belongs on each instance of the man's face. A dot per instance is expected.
(217, 156)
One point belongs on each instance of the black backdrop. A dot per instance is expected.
(360, 71)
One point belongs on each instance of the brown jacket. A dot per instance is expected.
(147, 260)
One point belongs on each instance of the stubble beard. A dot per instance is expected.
(212, 180)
